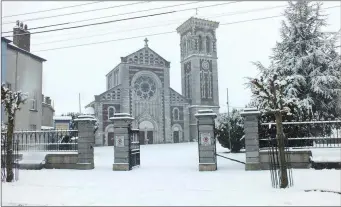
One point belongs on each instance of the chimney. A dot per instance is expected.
(47, 100)
(21, 36)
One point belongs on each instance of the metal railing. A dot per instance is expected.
(49, 140)
(4, 159)
(134, 149)
(304, 134)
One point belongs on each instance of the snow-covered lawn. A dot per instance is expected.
(38, 157)
(326, 154)
(168, 176)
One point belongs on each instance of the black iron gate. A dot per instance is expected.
(134, 148)
(4, 158)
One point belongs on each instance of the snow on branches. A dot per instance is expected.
(11, 100)
(271, 94)
(309, 57)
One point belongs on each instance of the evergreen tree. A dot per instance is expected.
(308, 56)
(307, 60)
(237, 131)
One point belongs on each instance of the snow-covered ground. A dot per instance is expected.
(326, 154)
(168, 175)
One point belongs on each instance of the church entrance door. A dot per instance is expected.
(150, 137)
(146, 132)
(141, 137)
(176, 136)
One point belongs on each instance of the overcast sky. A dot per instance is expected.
(71, 71)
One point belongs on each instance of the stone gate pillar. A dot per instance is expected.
(206, 140)
(122, 124)
(251, 116)
(86, 143)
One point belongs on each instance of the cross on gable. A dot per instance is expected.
(146, 42)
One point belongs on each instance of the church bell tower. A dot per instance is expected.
(199, 70)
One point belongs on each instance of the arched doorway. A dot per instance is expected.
(177, 133)
(146, 134)
(109, 135)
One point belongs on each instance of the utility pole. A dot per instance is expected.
(79, 101)
(228, 119)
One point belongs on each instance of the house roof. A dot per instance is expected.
(16, 48)
(5, 40)
(62, 118)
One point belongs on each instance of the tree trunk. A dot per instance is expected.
(9, 151)
(280, 144)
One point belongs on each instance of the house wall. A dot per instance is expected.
(62, 124)
(47, 115)
(24, 73)
(3, 70)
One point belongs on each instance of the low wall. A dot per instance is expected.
(65, 161)
(14, 156)
(61, 161)
(298, 159)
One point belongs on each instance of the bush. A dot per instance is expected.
(237, 132)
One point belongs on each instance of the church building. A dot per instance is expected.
(140, 85)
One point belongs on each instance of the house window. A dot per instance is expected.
(176, 114)
(34, 102)
(111, 112)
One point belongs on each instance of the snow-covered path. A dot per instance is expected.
(168, 176)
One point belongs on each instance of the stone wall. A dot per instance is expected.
(298, 159)
(61, 161)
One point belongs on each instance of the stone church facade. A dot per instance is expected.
(140, 86)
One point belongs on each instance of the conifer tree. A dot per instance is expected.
(308, 56)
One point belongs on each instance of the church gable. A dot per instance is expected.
(146, 56)
(176, 98)
(110, 95)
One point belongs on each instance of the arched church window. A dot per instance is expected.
(200, 43)
(184, 47)
(141, 58)
(151, 59)
(108, 96)
(208, 44)
(111, 111)
(176, 114)
(162, 63)
(113, 95)
(188, 45)
(135, 59)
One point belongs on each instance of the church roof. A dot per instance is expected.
(193, 21)
(177, 97)
(146, 56)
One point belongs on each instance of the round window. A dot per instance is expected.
(145, 87)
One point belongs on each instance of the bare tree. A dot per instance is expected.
(11, 102)
(272, 98)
